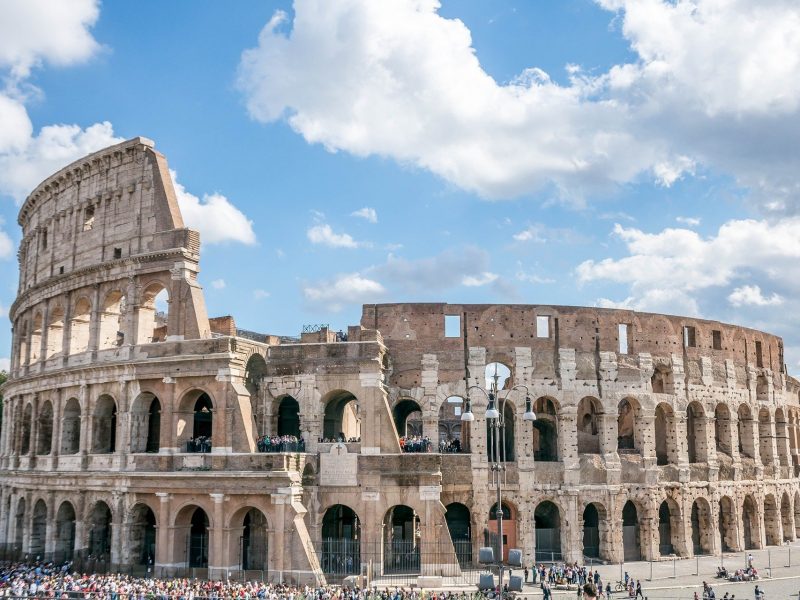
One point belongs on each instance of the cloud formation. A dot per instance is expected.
(215, 217)
(366, 213)
(349, 288)
(714, 86)
(325, 236)
(750, 295)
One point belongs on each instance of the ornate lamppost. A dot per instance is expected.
(496, 420)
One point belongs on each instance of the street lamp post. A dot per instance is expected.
(497, 422)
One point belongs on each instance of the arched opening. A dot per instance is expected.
(588, 426)
(145, 423)
(500, 440)
(630, 532)
(153, 314)
(55, 333)
(100, 532)
(786, 518)
(112, 328)
(545, 430)
(44, 442)
(666, 438)
(547, 523)
(727, 525)
(745, 429)
(627, 417)
(342, 421)
(71, 427)
(722, 429)
(591, 531)
(401, 540)
(666, 531)
(661, 381)
(408, 419)
(765, 438)
(27, 417)
(79, 329)
(702, 542)
(781, 437)
(38, 531)
(750, 524)
(696, 433)
(509, 528)
(141, 547)
(289, 417)
(198, 540)
(202, 425)
(497, 373)
(36, 338)
(459, 524)
(772, 521)
(65, 533)
(19, 531)
(451, 432)
(341, 541)
(104, 426)
(254, 541)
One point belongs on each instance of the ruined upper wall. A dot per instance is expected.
(411, 330)
(113, 204)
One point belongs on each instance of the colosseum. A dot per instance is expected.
(138, 433)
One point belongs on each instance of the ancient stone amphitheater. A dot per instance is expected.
(133, 430)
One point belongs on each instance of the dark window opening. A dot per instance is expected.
(716, 339)
(759, 356)
(689, 336)
(88, 218)
(117, 252)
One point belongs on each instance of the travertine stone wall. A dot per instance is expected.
(137, 437)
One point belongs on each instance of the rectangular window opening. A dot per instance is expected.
(60, 270)
(88, 218)
(689, 336)
(117, 252)
(543, 327)
(452, 326)
(623, 338)
(716, 339)
(759, 356)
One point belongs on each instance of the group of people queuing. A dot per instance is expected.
(199, 444)
(50, 580)
(281, 443)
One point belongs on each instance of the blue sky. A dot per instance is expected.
(611, 152)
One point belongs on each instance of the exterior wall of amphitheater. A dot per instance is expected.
(656, 435)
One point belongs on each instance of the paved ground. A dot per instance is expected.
(779, 567)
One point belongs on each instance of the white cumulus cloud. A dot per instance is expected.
(349, 288)
(218, 284)
(690, 221)
(215, 217)
(324, 235)
(367, 213)
(713, 85)
(33, 31)
(479, 280)
(750, 295)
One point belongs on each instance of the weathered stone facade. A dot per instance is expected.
(135, 436)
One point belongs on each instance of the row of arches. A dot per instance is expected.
(34, 434)
(66, 327)
(35, 532)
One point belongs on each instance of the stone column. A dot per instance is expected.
(94, 324)
(66, 332)
(216, 553)
(52, 527)
(34, 441)
(648, 537)
(117, 529)
(568, 445)
(168, 435)
(164, 550)
(44, 334)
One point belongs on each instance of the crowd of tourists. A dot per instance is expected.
(49, 580)
(572, 574)
(415, 443)
(200, 444)
(339, 439)
(281, 443)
